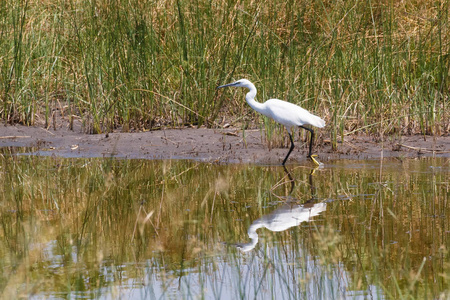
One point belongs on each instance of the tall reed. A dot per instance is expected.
(379, 67)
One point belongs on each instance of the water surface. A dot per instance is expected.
(107, 228)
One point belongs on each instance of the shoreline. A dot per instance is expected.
(211, 145)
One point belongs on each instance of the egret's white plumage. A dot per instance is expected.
(285, 113)
(282, 219)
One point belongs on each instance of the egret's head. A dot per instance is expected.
(246, 247)
(240, 83)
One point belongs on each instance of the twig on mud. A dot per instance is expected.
(422, 149)
(47, 131)
(230, 133)
(175, 143)
(15, 137)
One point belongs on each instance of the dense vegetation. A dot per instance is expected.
(380, 67)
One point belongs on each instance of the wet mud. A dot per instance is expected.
(228, 145)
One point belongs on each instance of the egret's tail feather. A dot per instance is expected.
(318, 122)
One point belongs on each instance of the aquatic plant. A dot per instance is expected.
(378, 67)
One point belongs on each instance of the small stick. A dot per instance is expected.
(47, 131)
(230, 133)
(15, 137)
(422, 149)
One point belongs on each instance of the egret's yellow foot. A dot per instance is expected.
(315, 161)
(313, 171)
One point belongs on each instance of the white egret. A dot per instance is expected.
(285, 113)
(288, 215)
(283, 218)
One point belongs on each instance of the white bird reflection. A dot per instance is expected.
(285, 217)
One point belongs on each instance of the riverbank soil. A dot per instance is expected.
(211, 145)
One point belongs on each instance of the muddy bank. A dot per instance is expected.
(211, 145)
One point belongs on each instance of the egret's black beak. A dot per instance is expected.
(222, 86)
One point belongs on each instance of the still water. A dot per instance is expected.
(136, 229)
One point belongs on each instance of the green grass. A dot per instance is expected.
(379, 67)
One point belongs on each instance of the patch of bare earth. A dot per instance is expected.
(210, 145)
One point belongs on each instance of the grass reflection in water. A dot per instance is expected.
(144, 229)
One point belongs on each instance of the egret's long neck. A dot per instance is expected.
(252, 231)
(250, 98)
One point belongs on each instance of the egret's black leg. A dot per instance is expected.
(311, 184)
(290, 150)
(311, 141)
(290, 179)
(313, 199)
